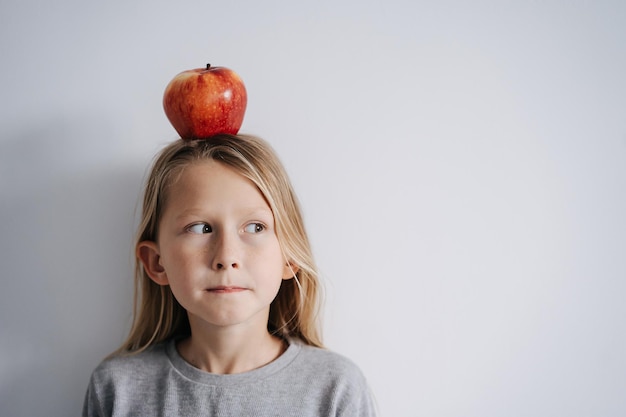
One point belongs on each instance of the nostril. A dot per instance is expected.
(220, 265)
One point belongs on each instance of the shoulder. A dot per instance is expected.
(117, 382)
(335, 381)
(132, 367)
(330, 363)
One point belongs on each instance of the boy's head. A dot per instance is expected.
(293, 313)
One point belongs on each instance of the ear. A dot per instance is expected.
(148, 253)
(290, 270)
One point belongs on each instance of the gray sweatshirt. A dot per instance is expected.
(303, 381)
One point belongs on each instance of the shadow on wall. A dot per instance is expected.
(67, 205)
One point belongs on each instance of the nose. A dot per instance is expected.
(225, 252)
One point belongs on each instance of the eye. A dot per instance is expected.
(200, 228)
(254, 228)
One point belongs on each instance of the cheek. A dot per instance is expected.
(272, 265)
(180, 260)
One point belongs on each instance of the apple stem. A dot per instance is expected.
(208, 66)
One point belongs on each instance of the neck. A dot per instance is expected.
(230, 350)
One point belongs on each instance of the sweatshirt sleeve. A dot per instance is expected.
(91, 406)
(359, 402)
(352, 395)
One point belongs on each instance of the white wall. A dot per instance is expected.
(462, 170)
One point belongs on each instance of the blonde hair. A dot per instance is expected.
(294, 311)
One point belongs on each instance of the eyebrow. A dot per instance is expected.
(243, 212)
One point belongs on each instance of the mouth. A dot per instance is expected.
(222, 289)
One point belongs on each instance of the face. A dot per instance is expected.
(217, 248)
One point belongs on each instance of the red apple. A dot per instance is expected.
(202, 102)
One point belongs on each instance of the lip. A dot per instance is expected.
(224, 289)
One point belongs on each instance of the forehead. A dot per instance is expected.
(214, 181)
